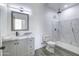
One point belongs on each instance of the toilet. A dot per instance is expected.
(50, 46)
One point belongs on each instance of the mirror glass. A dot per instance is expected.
(20, 21)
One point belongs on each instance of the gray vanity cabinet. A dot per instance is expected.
(23, 47)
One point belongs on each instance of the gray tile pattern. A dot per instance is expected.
(70, 32)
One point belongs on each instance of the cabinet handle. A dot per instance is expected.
(2, 48)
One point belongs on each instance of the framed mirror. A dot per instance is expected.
(19, 21)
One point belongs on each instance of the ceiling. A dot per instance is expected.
(53, 6)
(62, 6)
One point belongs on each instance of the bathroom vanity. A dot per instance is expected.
(19, 46)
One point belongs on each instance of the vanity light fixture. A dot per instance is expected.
(20, 9)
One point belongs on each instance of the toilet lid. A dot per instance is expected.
(50, 43)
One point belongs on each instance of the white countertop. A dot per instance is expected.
(7, 38)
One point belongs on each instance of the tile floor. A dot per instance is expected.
(43, 52)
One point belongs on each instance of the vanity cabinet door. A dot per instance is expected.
(10, 48)
(21, 47)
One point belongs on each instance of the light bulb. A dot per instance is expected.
(65, 6)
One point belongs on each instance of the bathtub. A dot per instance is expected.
(65, 49)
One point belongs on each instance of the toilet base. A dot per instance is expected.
(50, 49)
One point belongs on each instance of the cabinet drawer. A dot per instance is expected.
(30, 53)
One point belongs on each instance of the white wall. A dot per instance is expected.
(3, 20)
(70, 19)
(36, 23)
